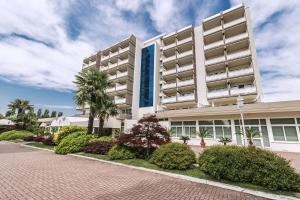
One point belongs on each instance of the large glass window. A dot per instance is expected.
(147, 76)
(217, 128)
(284, 129)
(189, 128)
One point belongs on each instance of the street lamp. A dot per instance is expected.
(240, 104)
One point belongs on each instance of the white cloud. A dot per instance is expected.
(277, 37)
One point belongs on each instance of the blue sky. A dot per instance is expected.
(42, 46)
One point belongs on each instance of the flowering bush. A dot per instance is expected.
(98, 147)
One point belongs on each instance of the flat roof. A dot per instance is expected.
(259, 109)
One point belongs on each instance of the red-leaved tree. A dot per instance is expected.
(146, 134)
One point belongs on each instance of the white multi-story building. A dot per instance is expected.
(192, 77)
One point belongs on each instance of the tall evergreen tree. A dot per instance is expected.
(46, 113)
(60, 114)
(39, 113)
(53, 113)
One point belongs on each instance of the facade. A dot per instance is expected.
(192, 78)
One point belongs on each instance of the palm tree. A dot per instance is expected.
(250, 134)
(203, 133)
(91, 87)
(21, 106)
(105, 108)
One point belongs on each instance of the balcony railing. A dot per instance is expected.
(179, 42)
(121, 87)
(120, 100)
(168, 86)
(103, 68)
(185, 68)
(168, 72)
(236, 38)
(213, 45)
(112, 65)
(169, 46)
(216, 77)
(239, 54)
(185, 82)
(113, 54)
(241, 72)
(167, 59)
(123, 50)
(212, 30)
(111, 77)
(111, 89)
(187, 97)
(186, 53)
(215, 60)
(217, 93)
(89, 65)
(123, 62)
(248, 89)
(123, 74)
(234, 22)
(171, 99)
(103, 57)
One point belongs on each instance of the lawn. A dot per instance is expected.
(40, 145)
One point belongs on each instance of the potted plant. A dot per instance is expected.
(224, 140)
(203, 133)
(250, 133)
(184, 139)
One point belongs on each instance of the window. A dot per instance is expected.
(176, 129)
(147, 77)
(209, 125)
(284, 129)
(189, 128)
(217, 128)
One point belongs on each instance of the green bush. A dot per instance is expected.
(15, 134)
(102, 139)
(174, 156)
(120, 153)
(249, 165)
(72, 143)
(65, 131)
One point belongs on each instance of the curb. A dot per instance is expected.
(182, 177)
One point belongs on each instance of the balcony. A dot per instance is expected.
(123, 74)
(103, 57)
(124, 50)
(111, 77)
(185, 82)
(111, 89)
(186, 40)
(214, 44)
(103, 68)
(168, 72)
(120, 101)
(241, 72)
(168, 86)
(216, 77)
(248, 89)
(239, 54)
(215, 60)
(217, 93)
(122, 62)
(113, 54)
(169, 46)
(185, 68)
(187, 97)
(121, 87)
(184, 54)
(167, 59)
(171, 99)
(234, 22)
(236, 38)
(112, 65)
(213, 30)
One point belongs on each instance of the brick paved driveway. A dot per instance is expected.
(27, 173)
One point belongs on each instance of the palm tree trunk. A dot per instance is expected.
(90, 123)
(101, 125)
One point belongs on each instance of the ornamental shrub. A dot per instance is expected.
(120, 153)
(98, 147)
(174, 156)
(102, 139)
(29, 138)
(38, 138)
(15, 134)
(65, 131)
(249, 165)
(72, 143)
(48, 140)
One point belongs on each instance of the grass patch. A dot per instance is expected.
(195, 172)
(40, 145)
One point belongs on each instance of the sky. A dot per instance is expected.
(43, 42)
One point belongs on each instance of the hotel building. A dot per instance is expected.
(192, 78)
